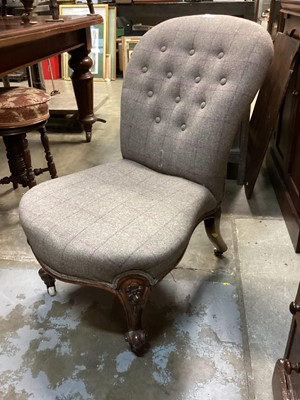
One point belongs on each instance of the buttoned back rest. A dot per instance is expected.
(189, 82)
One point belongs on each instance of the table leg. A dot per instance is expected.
(82, 79)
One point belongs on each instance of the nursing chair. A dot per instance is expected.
(124, 225)
(22, 110)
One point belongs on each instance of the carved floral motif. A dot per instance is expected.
(135, 293)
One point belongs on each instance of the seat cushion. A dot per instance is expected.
(23, 106)
(114, 218)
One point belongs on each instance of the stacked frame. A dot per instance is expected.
(99, 35)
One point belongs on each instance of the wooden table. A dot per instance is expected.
(23, 45)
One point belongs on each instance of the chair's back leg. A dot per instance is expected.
(212, 227)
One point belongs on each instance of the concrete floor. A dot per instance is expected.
(216, 326)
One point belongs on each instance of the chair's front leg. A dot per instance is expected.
(212, 227)
(49, 281)
(133, 293)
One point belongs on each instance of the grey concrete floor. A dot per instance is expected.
(216, 326)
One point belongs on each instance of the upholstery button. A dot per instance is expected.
(157, 119)
(197, 79)
(223, 81)
(144, 69)
(150, 93)
(183, 126)
(177, 99)
(203, 104)
(163, 48)
(169, 75)
(221, 55)
(192, 51)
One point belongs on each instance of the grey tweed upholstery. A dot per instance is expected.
(110, 219)
(187, 86)
(189, 82)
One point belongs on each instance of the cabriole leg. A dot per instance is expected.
(133, 294)
(212, 227)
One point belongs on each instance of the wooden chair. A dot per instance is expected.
(22, 110)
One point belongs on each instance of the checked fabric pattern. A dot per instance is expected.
(188, 84)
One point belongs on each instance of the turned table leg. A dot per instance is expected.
(82, 79)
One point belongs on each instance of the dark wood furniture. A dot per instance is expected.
(154, 13)
(268, 105)
(283, 159)
(286, 377)
(23, 45)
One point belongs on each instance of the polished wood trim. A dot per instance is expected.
(21, 46)
(12, 32)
